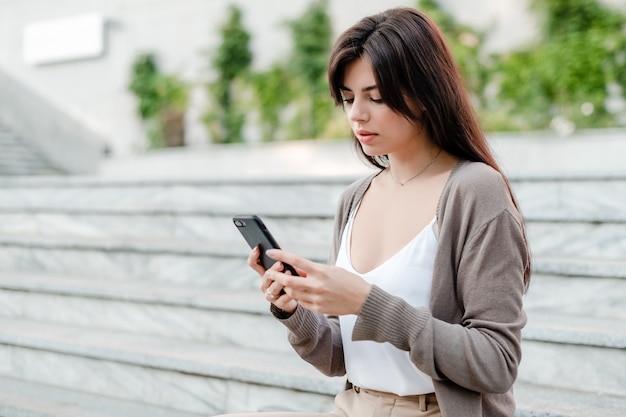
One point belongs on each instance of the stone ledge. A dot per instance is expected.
(591, 268)
(277, 369)
(547, 327)
(261, 368)
(538, 401)
(234, 248)
(137, 291)
(594, 332)
(28, 399)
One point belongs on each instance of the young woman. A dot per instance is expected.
(421, 303)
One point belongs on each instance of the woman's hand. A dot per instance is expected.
(273, 291)
(326, 289)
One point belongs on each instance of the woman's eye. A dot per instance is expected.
(376, 100)
(348, 100)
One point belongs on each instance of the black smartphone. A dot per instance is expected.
(256, 233)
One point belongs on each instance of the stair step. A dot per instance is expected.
(312, 197)
(142, 226)
(200, 262)
(577, 296)
(189, 376)
(575, 352)
(194, 263)
(576, 330)
(540, 401)
(571, 198)
(27, 399)
(20, 398)
(580, 267)
(98, 362)
(591, 240)
(604, 241)
(210, 315)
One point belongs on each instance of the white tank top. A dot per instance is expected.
(407, 274)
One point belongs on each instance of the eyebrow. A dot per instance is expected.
(369, 88)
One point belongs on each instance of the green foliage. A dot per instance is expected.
(231, 62)
(568, 73)
(273, 93)
(312, 37)
(466, 44)
(162, 100)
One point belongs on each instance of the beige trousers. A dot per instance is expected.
(367, 403)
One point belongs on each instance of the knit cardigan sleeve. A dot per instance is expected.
(471, 334)
(314, 336)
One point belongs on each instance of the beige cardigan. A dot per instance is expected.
(468, 341)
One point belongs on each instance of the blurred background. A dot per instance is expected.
(143, 75)
(133, 130)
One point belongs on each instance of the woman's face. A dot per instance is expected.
(380, 130)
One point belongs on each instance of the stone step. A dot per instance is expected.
(179, 375)
(590, 240)
(19, 399)
(222, 315)
(577, 296)
(571, 352)
(193, 263)
(572, 198)
(20, 158)
(212, 228)
(589, 198)
(64, 368)
(27, 399)
(554, 239)
(539, 401)
(238, 318)
(202, 263)
(580, 267)
(313, 197)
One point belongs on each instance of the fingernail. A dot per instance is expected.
(270, 252)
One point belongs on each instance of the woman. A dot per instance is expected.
(420, 305)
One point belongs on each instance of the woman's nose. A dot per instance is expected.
(357, 112)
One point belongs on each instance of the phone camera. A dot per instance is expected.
(240, 223)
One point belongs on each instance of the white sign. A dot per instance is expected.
(67, 39)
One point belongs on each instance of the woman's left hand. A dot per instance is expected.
(326, 289)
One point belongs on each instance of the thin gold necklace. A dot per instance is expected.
(416, 175)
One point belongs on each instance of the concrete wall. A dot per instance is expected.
(95, 92)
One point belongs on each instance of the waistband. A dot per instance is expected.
(430, 398)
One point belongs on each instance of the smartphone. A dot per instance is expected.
(256, 234)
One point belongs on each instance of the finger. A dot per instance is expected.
(287, 280)
(275, 290)
(254, 261)
(292, 259)
(268, 279)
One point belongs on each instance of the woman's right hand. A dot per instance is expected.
(273, 290)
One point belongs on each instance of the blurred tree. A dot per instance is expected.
(312, 37)
(571, 77)
(467, 46)
(273, 92)
(162, 102)
(225, 119)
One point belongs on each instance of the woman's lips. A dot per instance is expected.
(365, 136)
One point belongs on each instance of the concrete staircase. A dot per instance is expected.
(132, 298)
(20, 158)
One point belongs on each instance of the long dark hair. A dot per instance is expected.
(414, 69)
